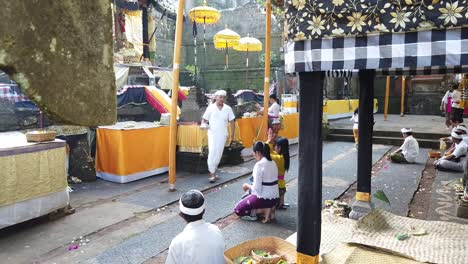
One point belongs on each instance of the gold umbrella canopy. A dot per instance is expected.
(204, 14)
(226, 38)
(249, 44)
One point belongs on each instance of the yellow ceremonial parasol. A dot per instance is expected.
(248, 44)
(202, 15)
(226, 39)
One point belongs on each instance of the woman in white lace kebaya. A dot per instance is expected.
(265, 194)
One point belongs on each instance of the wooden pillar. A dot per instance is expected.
(175, 94)
(403, 84)
(366, 120)
(266, 84)
(310, 168)
(144, 18)
(387, 94)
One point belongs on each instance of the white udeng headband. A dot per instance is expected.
(191, 211)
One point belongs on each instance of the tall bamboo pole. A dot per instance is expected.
(387, 94)
(175, 93)
(403, 84)
(266, 85)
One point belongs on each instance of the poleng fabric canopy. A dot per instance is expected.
(138, 94)
(374, 37)
(397, 37)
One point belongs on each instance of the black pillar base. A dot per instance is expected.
(364, 163)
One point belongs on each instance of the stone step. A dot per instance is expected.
(395, 141)
(396, 134)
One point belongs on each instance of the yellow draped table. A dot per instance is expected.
(33, 179)
(191, 138)
(130, 151)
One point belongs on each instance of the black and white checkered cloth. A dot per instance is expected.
(400, 52)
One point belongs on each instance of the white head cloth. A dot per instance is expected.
(220, 93)
(406, 130)
(462, 128)
(455, 135)
(191, 211)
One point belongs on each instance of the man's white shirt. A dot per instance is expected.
(199, 243)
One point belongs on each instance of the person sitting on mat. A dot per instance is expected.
(453, 158)
(409, 151)
(264, 190)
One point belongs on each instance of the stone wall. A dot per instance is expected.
(247, 18)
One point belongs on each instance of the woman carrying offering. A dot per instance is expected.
(265, 194)
(274, 121)
(280, 155)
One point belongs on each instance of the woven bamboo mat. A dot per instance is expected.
(445, 242)
(356, 254)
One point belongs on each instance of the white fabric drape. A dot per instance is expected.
(134, 31)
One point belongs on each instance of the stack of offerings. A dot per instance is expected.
(289, 103)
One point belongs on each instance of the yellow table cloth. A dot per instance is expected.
(336, 109)
(33, 181)
(32, 171)
(251, 129)
(291, 128)
(125, 155)
(191, 138)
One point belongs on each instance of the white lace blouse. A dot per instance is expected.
(265, 174)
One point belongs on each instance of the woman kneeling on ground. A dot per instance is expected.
(264, 189)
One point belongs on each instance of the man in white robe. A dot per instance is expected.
(409, 151)
(200, 242)
(218, 115)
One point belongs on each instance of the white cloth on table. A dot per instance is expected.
(199, 243)
(217, 132)
(410, 149)
(355, 119)
(265, 171)
(274, 112)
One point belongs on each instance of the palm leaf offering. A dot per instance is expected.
(260, 257)
(380, 195)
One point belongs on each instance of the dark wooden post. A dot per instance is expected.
(364, 163)
(144, 18)
(310, 168)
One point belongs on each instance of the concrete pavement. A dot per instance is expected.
(124, 225)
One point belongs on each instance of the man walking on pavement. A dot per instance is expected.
(200, 242)
(217, 116)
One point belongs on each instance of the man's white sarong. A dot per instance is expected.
(217, 133)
